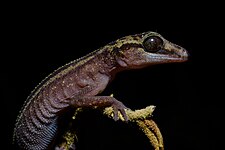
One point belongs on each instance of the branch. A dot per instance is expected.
(149, 127)
(140, 117)
(132, 115)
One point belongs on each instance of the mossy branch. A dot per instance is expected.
(148, 126)
(152, 132)
(132, 115)
(141, 117)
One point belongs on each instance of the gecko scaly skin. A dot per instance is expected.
(78, 83)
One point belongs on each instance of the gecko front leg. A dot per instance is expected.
(100, 101)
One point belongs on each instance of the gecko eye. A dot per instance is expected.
(153, 44)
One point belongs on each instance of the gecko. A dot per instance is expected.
(79, 83)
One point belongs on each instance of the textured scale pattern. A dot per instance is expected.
(37, 126)
(37, 123)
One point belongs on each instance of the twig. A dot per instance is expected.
(149, 127)
(132, 115)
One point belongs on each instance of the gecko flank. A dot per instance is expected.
(78, 83)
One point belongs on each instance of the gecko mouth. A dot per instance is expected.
(174, 57)
(169, 56)
(174, 53)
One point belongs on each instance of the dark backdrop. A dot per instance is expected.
(39, 39)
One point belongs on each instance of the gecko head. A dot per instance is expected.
(146, 49)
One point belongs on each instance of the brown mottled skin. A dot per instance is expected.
(78, 83)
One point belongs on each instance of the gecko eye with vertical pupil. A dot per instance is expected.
(153, 44)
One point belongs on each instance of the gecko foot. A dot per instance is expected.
(119, 107)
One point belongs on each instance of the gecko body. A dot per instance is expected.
(78, 83)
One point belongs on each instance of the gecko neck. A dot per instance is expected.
(106, 63)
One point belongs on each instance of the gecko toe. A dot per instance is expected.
(122, 111)
(119, 107)
(115, 115)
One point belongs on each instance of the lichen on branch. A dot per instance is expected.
(132, 115)
(142, 117)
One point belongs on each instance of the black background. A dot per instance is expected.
(39, 38)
